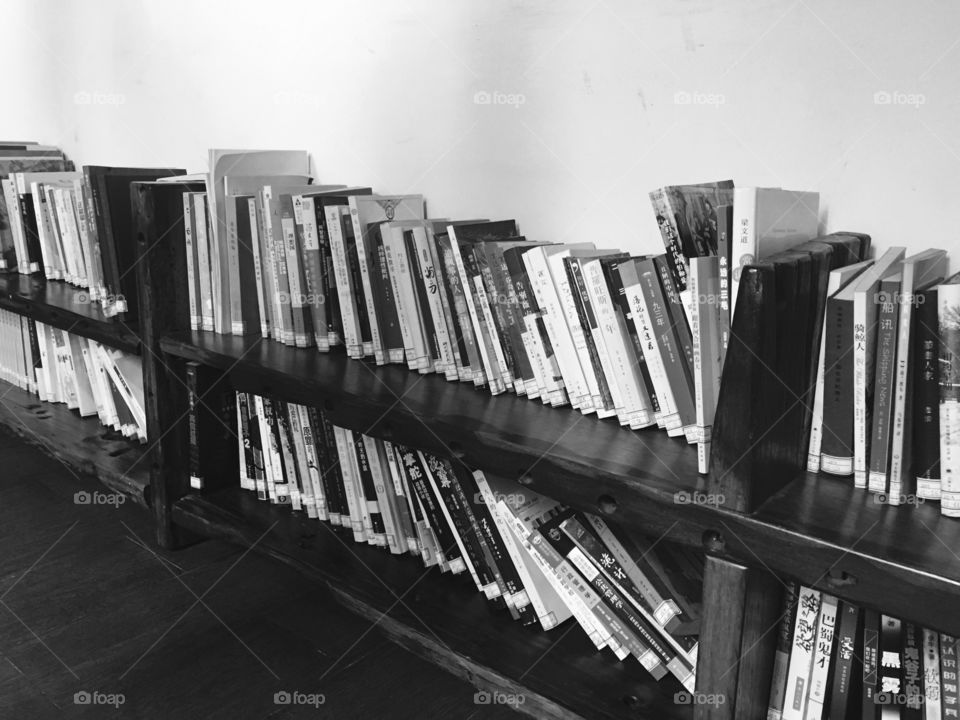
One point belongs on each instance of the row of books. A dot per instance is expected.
(528, 554)
(886, 408)
(67, 225)
(61, 367)
(837, 661)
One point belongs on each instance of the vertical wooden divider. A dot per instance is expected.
(164, 307)
(737, 641)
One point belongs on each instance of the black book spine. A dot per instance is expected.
(369, 488)
(588, 322)
(331, 301)
(871, 663)
(478, 266)
(330, 472)
(508, 305)
(257, 448)
(353, 266)
(890, 695)
(193, 423)
(243, 411)
(31, 233)
(845, 664)
(837, 443)
(382, 290)
(913, 699)
(417, 479)
(926, 396)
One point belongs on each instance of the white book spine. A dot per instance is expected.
(820, 668)
(743, 243)
(801, 654)
(864, 345)
(348, 314)
(899, 422)
(932, 698)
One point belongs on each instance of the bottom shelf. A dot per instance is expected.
(82, 444)
(443, 619)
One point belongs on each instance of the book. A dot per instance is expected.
(882, 413)
(846, 663)
(705, 326)
(919, 271)
(801, 654)
(948, 318)
(781, 658)
(823, 651)
(926, 397)
(871, 663)
(949, 675)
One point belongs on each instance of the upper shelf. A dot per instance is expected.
(64, 306)
(817, 529)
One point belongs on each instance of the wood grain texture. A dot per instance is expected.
(164, 306)
(762, 610)
(441, 618)
(724, 595)
(81, 445)
(819, 530)
(64, 306)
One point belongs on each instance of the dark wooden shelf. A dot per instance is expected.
(82, 444)
(819, 530)
(64, 306)
(440, 617)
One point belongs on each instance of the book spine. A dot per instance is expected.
(743, 242)
(375, 465)
(890, 672)
(724, 233)
(491, 354)
(912, 690)
(282, 236)
(871, 663)
(878, 478)
(360, 236)
(836, 454)
(823, 650)
(949, 676)
(193, 289)
(671, 238)
(411, 534)
(328, 282)
(471, 366)
(402, 296)
(442, 332)
(231, 270)
(381, 278)
(845, 662)
(801, 654)
(448, 547)
(864, 356)
(932, 688)
(193, 424)
(703, 284)
(432, 359)
(901, 470)
(350, 480)
(926, 398)
(781, 658)
(256, 249)
(948, 313)
(373, 516)
(201, 219)
(351, 327)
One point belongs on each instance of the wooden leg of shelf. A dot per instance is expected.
(738, 634)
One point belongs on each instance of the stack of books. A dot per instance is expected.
(836, 660)
(60, 367)
(540, 561)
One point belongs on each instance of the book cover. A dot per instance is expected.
(948, 318)
(801, 654)
(926, 397)
(878, 478)
(846, 664)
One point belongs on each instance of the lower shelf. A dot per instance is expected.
(443, 619)
(82, 444)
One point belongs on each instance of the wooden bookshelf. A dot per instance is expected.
(818, 529)
(82, 444)
(67, 307)
(440, 617)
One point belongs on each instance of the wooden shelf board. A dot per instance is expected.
(82, 444)
(817, 529)
(440, 617)
(64, 306)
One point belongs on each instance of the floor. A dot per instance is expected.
(91, 610)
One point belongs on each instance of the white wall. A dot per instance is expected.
(383, 93)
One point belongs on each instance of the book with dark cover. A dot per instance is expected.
(724, 233)
(110, 195)
(611, 271)
(781, 658)
(926, 396)
(871, 663)
(883, 384)
(888, 699)
(369, 489)
(649, 636)
(31, 235)
(356, 281)
(677, 313)
(249, 309)
(415, 472)
(949, 676)
(257, 449)
(948, 317)
(330, 474)
(193, 426)
(846, 664)
(291, 468)
(466, 526)
(466, 342)
(243, 413)
(507, 308)
(837, 444)
(499, 555)
(588, 321)
(212, 426)
(913, 699)
(383, 300)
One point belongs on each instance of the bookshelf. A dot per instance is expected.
(817, 529)
(67, 307)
